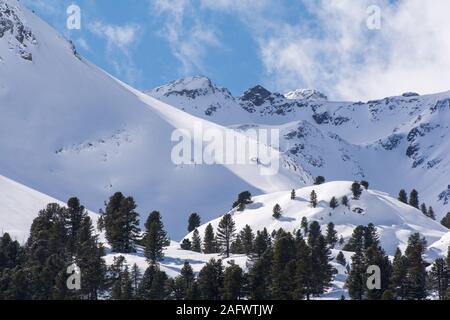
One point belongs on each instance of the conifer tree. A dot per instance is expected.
(430, 213)
(209, 240)
(232, 283)
(416, 276)
(313, 199)
(375, 256)
(277, 211)
(293, 195)
(340, 258)
(260, 277)
(319, 180)
(398, 282)
(345, 201)
(365, 184)
(403, 197)
(356, 190)
(424, 210)
(243, 200)
(446, 221)
(89, 258)
(136, 277)
(439, 277)
(186, 244)
(155, 238)
(414, 199)
(210, 280)
(334, 203)
(196, 241)
(194, 222)
(225, 234)
(283, 266)
(121, 223)
(304, 286)
(247, 240)
(331, 235)
(322, 271)
(75, 214)
(262, 243)
(356, 280)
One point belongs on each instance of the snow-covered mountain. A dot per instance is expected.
(397, 142)
(69, 129)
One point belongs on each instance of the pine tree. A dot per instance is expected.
(334, 203)
(416, 276)
(194, 222)
(365, 184)
(319, 180)
(446, 221)
(403, 197)
(154, 284)
(283, 266)
(196, 242)
(262, 243)
(225, 234)
(331, 235)
(375, 256)
(183, 283)
(121, 283)
(75, 214)
(313, 199)
(209, 240)
(322, 271)
(210, 280)
(260, 277)
(155, 238)
(439, 277)
(89, 255)
(398, 282)
(121, 223)
(304, 286)
(136, 277)
(293, 195)
(243, 200)
(232, 283)
(430, 213)
(277, 211)
(356, 280)
(414, 199)
(186, 244)
(305, 226)
(340, 258)
(247, 240)
(424, 210)
(345, 201)
(356, 190)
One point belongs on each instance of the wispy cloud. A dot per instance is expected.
(120, 41)
(187, 35)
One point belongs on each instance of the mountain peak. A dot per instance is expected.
(306, 94)
(256, 95)
(190, 87)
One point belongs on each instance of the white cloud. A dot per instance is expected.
(120, 40)
(188, 42)
(333, 50)
(348, 61)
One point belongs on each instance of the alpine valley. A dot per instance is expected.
(67, 128)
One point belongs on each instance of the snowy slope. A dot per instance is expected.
(394, 220)
(69, 129)
(396, 142)
(19, 206)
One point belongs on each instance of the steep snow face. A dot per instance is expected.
(308, 94)
(68, 129)
(19, 206)
(394, 220)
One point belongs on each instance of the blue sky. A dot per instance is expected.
(284, 45)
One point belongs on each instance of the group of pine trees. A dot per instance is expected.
(414, 201)
(281, 265)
